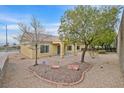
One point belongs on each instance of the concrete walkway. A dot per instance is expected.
(105, 71)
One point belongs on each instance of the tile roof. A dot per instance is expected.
(42, 37)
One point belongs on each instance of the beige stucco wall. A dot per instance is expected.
(69, 51)
(26, 50)
(30, 52)
(52, 50)
(72, 51)
(81, 47)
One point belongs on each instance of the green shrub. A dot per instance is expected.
(102, 52)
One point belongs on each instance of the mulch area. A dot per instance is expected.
(62, 75)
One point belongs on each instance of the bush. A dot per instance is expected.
(102, 52)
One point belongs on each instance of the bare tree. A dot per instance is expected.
(32, 34)
(37, 29)
(24, 30)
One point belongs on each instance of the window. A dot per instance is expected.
(44, 48)
(69, 48)
(78, 47)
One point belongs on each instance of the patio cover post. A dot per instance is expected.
(75, 49)
(62, 49)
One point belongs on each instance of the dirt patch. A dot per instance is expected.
(62, 75)
(16, 57)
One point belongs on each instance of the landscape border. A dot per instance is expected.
(64, 84)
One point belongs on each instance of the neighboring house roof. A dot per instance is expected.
(41, 37)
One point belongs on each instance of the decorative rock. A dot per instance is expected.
(61, 76)
(73, 67)
(101, 67)
(55, 66)
(44, 62)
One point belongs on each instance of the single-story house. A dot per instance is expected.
(48, 45)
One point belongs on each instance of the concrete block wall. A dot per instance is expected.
(3, 65)
(121, 44)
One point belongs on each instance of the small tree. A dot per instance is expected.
(32, 34)
(84, 24)
(80, 23)
(108, 24)
(67, 29)
(105, 39)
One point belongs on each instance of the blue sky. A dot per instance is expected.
(11, 15)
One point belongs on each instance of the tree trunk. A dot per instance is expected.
(105, 47)
(83, 53)
(98, 48)
(102, 46)
(75, 50)
(36, 55)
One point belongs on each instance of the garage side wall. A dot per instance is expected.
(26, 51)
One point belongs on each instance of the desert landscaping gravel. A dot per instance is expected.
(104, 73)
(62, 74)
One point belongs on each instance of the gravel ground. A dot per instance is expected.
(62, 74)
(104, 73)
